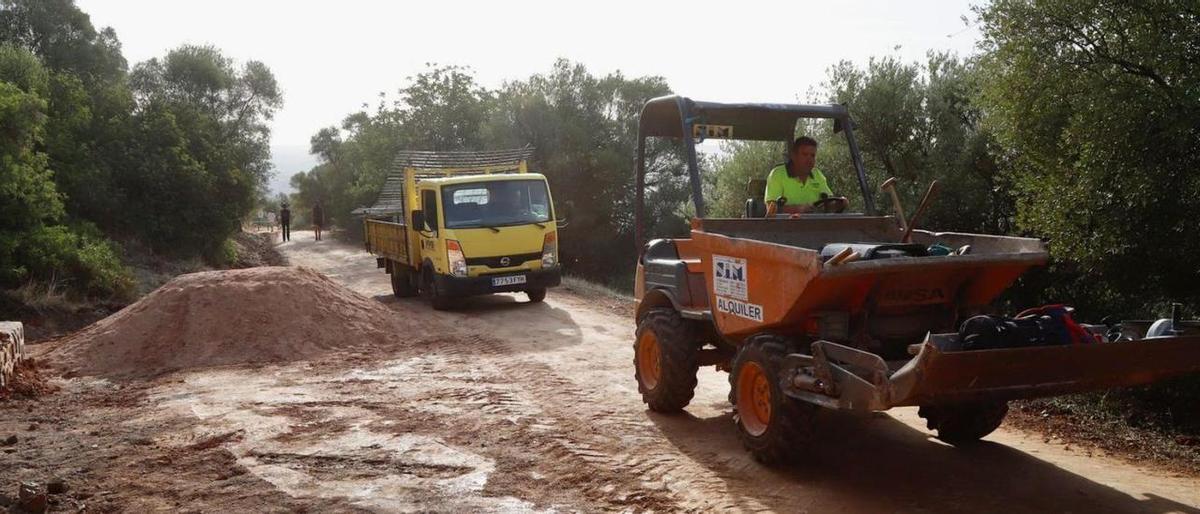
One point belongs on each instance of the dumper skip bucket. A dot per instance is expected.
(842, 377)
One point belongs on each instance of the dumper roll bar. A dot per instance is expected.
(677, 117)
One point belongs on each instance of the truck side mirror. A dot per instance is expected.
(418, 219)
(568, 207)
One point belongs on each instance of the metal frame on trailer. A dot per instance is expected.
(408, 166)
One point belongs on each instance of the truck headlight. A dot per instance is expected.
(458, 261)
(550, 250)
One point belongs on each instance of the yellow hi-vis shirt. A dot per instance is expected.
(797, 192)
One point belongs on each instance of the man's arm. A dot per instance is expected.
(774, 188)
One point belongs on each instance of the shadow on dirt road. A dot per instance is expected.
(873, 463)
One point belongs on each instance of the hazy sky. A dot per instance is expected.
(331, 57)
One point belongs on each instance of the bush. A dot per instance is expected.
(224, 256)
(85, 261)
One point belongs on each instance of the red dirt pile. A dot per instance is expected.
(256, 315)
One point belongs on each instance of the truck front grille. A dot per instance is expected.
(494, 262)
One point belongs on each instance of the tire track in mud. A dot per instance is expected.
(568, 453)
(578, 424)
(622, 441)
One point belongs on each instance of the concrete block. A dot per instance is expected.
(12, 349)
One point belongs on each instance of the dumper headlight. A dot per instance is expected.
(458, 261)
(550, 250)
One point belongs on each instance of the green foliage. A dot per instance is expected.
(915, 122)
(1095, 103)
(83, 259)
(27, 194)
(738, 163)
(199, 146)
(33, 246)
(88, 99)
(584, 129)
(174, 154)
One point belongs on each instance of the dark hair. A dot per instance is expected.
(803, 141)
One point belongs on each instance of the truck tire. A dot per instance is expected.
(439, 301)
(536, 295)
(403, 285)
(964, 423)
(772, 426)
(665, 354)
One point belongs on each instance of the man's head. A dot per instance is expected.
(803, 155)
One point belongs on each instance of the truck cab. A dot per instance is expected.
(467, 231)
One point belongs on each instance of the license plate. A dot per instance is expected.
(508, 281)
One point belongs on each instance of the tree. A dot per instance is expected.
(199, 150)
(89, 102)
(27, 195)
(584, 131)
(1095, 103)
(913, 121)
(33, 245)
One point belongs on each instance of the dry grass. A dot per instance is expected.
(45, 297)
(1080, 421)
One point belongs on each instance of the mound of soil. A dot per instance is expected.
(213, 318)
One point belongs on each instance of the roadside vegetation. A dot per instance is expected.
(167, 156)
(1076, 121)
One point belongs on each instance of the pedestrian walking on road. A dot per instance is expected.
(318, 219)
(285, 221)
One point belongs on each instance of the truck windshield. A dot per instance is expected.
(496, 203)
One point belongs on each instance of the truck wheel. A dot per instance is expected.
(536, 295)
(403, 285)
(964, 423)
(439, 301)
(665, 360)
(771, 425)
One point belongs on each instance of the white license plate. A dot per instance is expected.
(508, 281)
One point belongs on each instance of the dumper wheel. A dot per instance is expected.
(964, 423)
(404, 284)
(665, 355)
(772, 426)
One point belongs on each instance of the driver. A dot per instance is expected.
(508, 202)
(799, 183)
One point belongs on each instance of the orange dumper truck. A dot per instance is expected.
(848, 310)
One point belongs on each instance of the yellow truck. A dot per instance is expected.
(454, 224)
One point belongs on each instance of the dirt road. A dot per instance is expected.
(515, 407)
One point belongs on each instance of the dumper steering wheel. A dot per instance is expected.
(831, 204)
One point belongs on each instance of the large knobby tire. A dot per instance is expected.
(964, 423)
(536, 295)
(403, 285)
(665, 354)
(772, 426)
